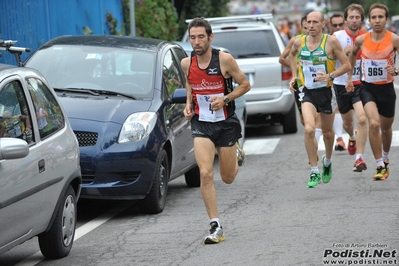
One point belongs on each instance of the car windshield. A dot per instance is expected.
(110, 69)
(248, 44)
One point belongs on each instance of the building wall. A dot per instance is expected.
(33, 22)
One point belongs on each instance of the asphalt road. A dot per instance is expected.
(268, 214)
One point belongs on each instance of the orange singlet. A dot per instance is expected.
(375, 56)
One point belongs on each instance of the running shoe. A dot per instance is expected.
(340, 146)
(352, 146)
(381, 173)
(314, 179)
(387, 170)
(326, 173)
(359, 165)
(215, 234)
(240, 155)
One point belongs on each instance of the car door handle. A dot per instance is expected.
(42, 166)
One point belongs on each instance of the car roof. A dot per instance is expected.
(128, 42)
(237, 19)
(188, 48)
(245, 22)
(7, 70)
(6, 66)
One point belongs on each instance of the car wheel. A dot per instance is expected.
(193, 178)
(57, 242)
(154, 202)
(289, 121)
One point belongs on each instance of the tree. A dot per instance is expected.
(159, 19)
(153, 19)
(200, 8)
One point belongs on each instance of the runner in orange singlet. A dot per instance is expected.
(377, 94)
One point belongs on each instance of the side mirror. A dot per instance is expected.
(13, 148)
(179, 96)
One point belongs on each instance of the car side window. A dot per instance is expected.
(171, 74)
(14, 113)
(48, 113)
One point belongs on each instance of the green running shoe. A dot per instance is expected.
(326, 173)
(314, 179)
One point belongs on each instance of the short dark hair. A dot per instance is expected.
(378, 5)
(303, 19)
(200, 22)
(336, 15)
(356, 7)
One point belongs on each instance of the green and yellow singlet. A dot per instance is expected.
(314, 61)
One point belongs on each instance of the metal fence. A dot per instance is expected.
(33, 22)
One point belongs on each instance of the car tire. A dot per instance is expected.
(289, 121)
(155, 200)
(57, 242)
(193, 178)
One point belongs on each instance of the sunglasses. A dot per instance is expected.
(337, 25)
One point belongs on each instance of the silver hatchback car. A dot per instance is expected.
(256, 45)
(40, 177)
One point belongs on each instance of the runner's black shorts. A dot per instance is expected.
(320, 98)
(346, 100)
(222, 133)
(383, 95)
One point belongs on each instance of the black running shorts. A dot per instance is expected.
(222, 134)
(346, 100)
(320, 98)
(383, 95)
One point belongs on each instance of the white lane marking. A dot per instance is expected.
(345, 137)
(82, 230)
(96, 222)
(260, 146)
(267, 146)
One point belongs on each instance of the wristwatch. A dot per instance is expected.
(332, 76)
(396, 72)
(226, 100)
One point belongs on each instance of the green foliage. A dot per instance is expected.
(153, 19)
(111, 23)
(156, 19)
(159, 19)
(201, 8)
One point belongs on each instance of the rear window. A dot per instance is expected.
(248, 44)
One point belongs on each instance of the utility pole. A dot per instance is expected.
(132, 18)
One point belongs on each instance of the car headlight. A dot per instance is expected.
(137, 126)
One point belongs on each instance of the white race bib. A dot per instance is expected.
(374, 70)
(309, 73)
(356, 71)
(205, 110)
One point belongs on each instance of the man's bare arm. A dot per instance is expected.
(353, 54)
(283, 57)
(229, 64)
(185, 63)
(293, 62)
(341, 56)
(188, 112)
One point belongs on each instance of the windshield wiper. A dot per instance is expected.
(96, 92)
(252, 55)
(116, 93)
(92, 92)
